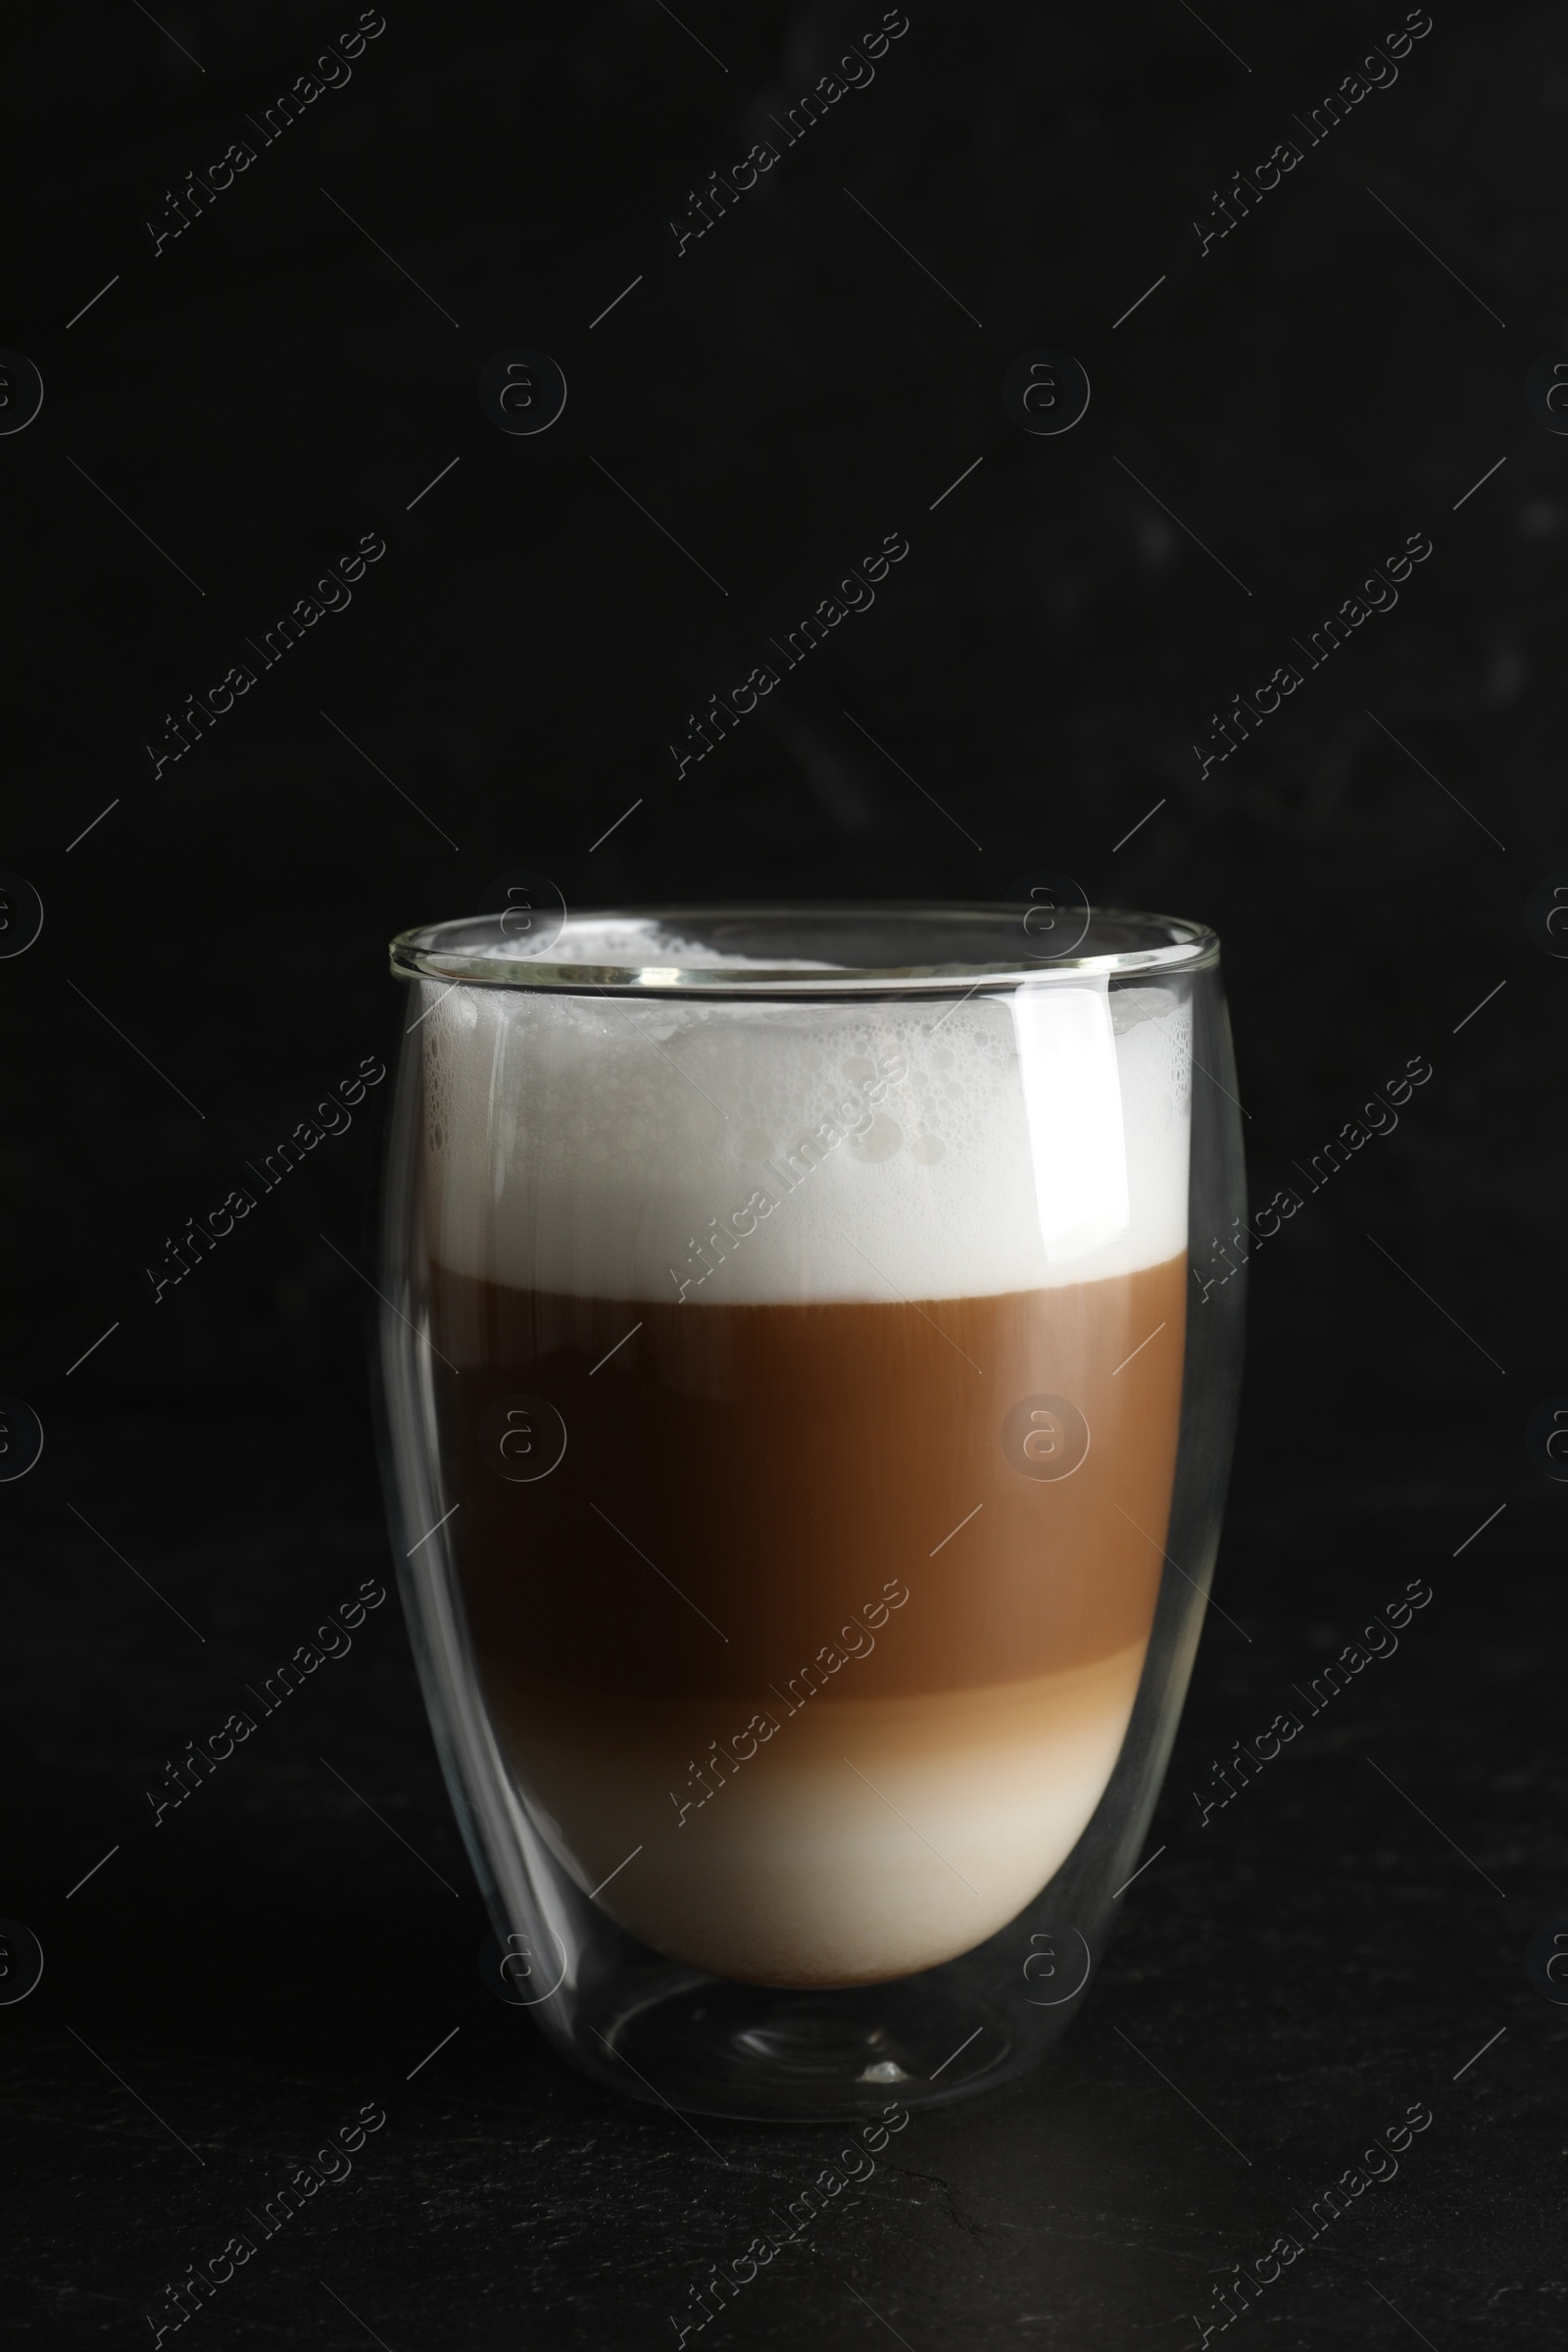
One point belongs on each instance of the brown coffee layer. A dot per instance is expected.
(746, 1491)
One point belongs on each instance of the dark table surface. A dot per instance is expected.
(233, 1985)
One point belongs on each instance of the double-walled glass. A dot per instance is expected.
(805, 1450)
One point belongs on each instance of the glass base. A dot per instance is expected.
(742, 2051)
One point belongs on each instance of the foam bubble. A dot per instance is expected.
(789, 1152)
(632, 943)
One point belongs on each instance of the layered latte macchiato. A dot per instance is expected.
(811, 1426)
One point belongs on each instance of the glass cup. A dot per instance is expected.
(796, 1393)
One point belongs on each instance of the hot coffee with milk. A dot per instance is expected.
(809, 1427)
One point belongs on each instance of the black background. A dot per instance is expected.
(1308, 393)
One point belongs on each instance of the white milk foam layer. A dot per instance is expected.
(741, 1152)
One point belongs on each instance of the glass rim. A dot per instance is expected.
(449, 950)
